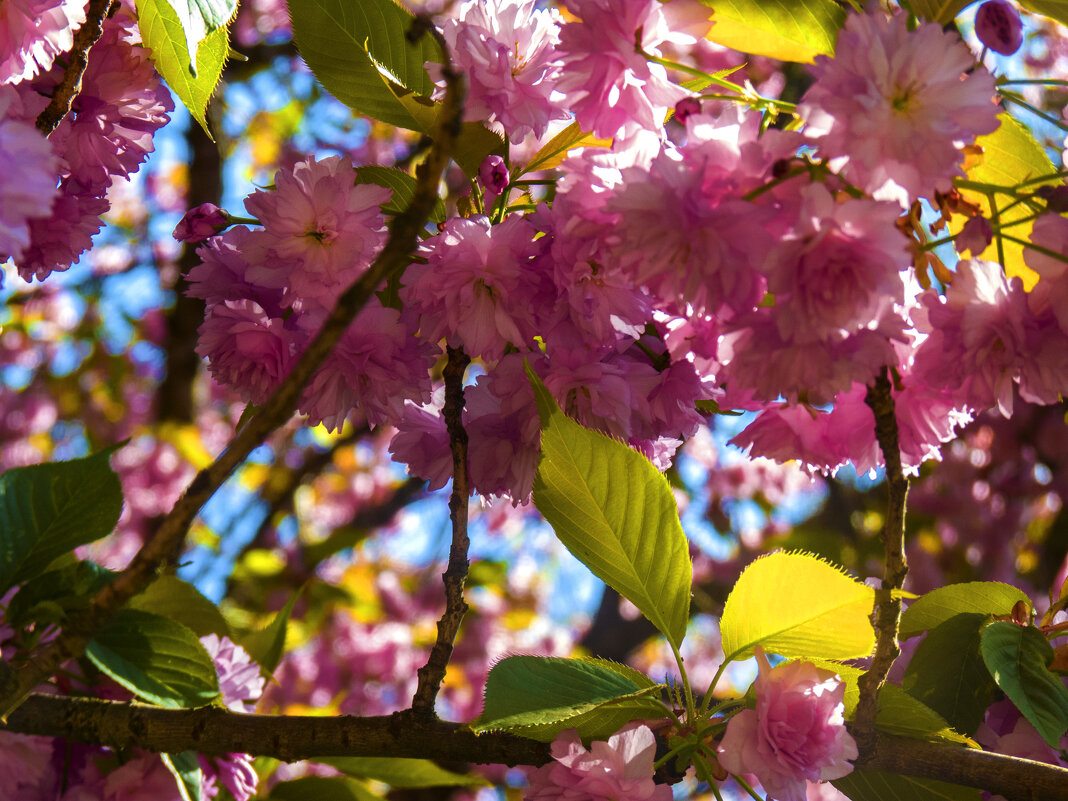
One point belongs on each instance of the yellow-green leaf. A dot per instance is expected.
(790, 30)
(1010, 156)
(940, 11)
(1054, 9)
(797, 605)
(615, 512)
(556, 149)
(162, 34)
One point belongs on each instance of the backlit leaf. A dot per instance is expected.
(556, 149)
(615, 512)
(873, 785)
(185, 767)
(797, 605)
(790, 30)
(162, 34)
(400, 772)
(1010, 156)
(403, 186)
(267, 645)
(939, 605)
(170, 597)
(1054, 9)
(940, 11)
(199, 18)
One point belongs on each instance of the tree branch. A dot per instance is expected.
(395, 256)
(71, 83)
(433, 672)
(213, 731)
(887, 608)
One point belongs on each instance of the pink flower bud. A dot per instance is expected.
(998, 26)
(493, 175)
(198, 224)
(796, 732)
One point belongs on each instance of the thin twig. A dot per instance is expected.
(433, 672)
(887, 608)
(403, 238)
(78, 58)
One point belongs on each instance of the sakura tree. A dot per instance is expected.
(670, 299)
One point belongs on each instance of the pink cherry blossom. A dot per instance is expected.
(33, 33)
(796, 733)
(613, 90)
(29, 171)
(239, 677)
(506, 48)
(608, 771)
(475, 288)
(321, 231)
(247, 349)
(893, 106)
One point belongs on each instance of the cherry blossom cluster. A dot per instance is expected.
(55, 189)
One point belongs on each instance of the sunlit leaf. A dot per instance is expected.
(940, 11)
(322, 788)
(267, 645)
(1010, 156)
(797, 605)
(1054, 9)
(47, 510)
(615, 512)
(790, 30)
(200, 18)
(1017, 657)
(162, 34)
(556, 149)
(939, 605)
(157, 659)
(402, 184)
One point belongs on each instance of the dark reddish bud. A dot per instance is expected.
(998, 26)
(686, 108)
(1056, 198)
(493, 174)
(198, 224)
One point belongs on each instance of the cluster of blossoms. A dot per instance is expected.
(721, 266)
(55, 189)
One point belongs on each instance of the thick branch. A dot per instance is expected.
(214, 731)
(403, 238)
(432, 674)
(887, 609)
(78, 58)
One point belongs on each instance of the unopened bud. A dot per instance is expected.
(998, 26)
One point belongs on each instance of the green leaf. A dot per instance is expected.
(360, 54)
(403, 186)
(541, 696)
(161, 33)
(267, 645)
(797, 605)
(937, 606)
(556, 149)
(1010, 156)
(47, 510)
(199, 18)
(615, 512)
(899, 713)
(52, 596)
(873, 785)
(321, 788)
(1054, 9)
(158, 659)
(400, 772)
(790, 30)
(186, 771)
(1018, 658)
(170, 597)
(948, 674)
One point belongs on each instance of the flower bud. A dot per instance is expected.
(686, 108)
(998, 26)
(198, 224)
(493, 175)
